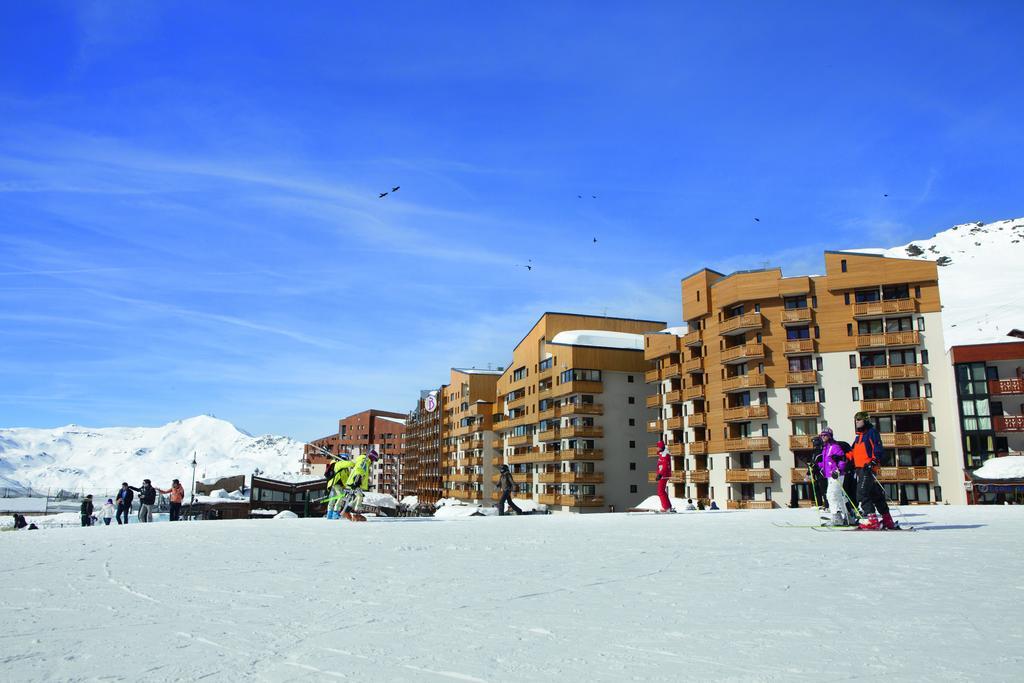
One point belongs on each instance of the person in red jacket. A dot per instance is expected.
(663, 475)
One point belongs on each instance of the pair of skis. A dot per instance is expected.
(829, 527)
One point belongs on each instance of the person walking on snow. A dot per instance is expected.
(87, 511)
(866, 454)
(177, 492)
(506, 484)
(358, 483)
(124, 502)
(107, 511)
(664, 473)
(833, 466)
(147, 498)
(336, 473)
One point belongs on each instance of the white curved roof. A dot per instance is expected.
(603, 338)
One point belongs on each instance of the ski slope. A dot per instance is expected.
(692, 596)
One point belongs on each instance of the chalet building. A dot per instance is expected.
(569, 413)
(298, 493)
(767, 361)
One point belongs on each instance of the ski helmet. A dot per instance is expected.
(373, 456)
(827, 431)
(862, 415)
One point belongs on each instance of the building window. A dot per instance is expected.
(632, 488)
(814, 302)
(917, 291)
(632, 444)
(853, 360)
(632, 422)
(817, 332)
(821, 395)
(632, 466)
(842, 265)
(764, 429)
(935, 458)
(924, 357)
(931, 424)
(938, 493)
(631, 400)
(849, 329)
(920, 324)
(698, 295)
(927, 390)
(629, 378)
(856, 393)
(846, 298)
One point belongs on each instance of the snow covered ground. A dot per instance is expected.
(708, 595)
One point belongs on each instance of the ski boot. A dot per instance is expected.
(330, 514)
(889, 523)
(347, 515)
(870, 523)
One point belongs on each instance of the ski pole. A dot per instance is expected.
(814, 489)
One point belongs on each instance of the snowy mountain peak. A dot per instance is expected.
(979, 278)
(73, 457)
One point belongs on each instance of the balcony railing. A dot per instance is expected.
(654, 400)
(581, 501)
(875, 308)
(582, 409)
(549, 435)
(694, 365)
(998, 387)
(675, 396)
(520, 440)
(740, 323)
(654, 426)
(692, 338)
(465, 478)
(465, 495)
(698, 420)
(741, 382)
(749, 443)
(548, 499)
(1008, 423)
(674, 477)
(801, 377)
(579, 387)
(888, 339)
(583, 432)
(799, 475)
(800, 442)
(749, 476)
(745, 413)
(880, 372)
(673, 449)
(906, 474)
(584, 454)
(670, 371)
(674, 423)
(793, 316)
(652, 376)
(906, 439)
(749, 505)
(743, 352)
(693, 393)
(571, 478)
(698, 476)
(798, 346)
(895, 405)
(697, 448)
(803, 409)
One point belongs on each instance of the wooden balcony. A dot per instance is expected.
(517, 498)
(751, 380)
(749, 443)
(803, 410)
(871, 309)
(578, 387)
(674, 477)
(674, 423)
(670, 371)
(801, 442)
(740, 324)
(795, 347)
(881, 372)
(746, 413)
(654, 426)
(466, 495)
(799, 475)
(796, 316)
(675, 449)
(906, 474)
(657, 346)
(693, 393)
(548, 413)
(675, 396)
(652, 376)
(515, 402)
(1008, 423)
(749, 505)
(475, 444)
(906, 439)
(498, 460)
(548, 499)
(465, 478)
(692, 338)
(742, 353)
(549, 435)
(696, 448)
(582, 409)
(801, 377)
(473, 461)
(693, 366)
(520, 440)
(895, 405)
(654, 400)
(698, 420)
(698, 476)
(888, 339)
(571, 478)
(580, 454)
(1001, 387)
(581, 501)
(583, 432)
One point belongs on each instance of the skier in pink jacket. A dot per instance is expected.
(663, 475)
(833, 467)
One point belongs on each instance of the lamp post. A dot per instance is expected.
(193, 499)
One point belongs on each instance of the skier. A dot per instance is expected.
(833, 466)
(107, 511)
(506, 484)
(19, 521)
(177, 492)
(358, 483)
(87, 511)
(817, 477)
(664, 473)
(866, 454)
(336, 472)
(124, 502)
(147, 497)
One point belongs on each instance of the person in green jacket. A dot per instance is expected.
(336, 480)
(358, 483)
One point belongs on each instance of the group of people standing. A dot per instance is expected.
(121, 506)
(348, 479)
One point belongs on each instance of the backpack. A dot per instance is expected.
(845, 446)
(329, 471)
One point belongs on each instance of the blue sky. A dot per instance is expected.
(189, 220)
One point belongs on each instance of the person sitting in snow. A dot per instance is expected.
(714, 506)
(690, 506)
(19, 521)
(357, 484)
(336, 473)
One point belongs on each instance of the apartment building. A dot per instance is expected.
(767, 361)
(423, 448)
(569, 413)
(467, 433)
(990, 404)
(378, 430)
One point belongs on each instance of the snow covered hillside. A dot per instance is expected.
(693, 596)
(980, 278)
(74, 457)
